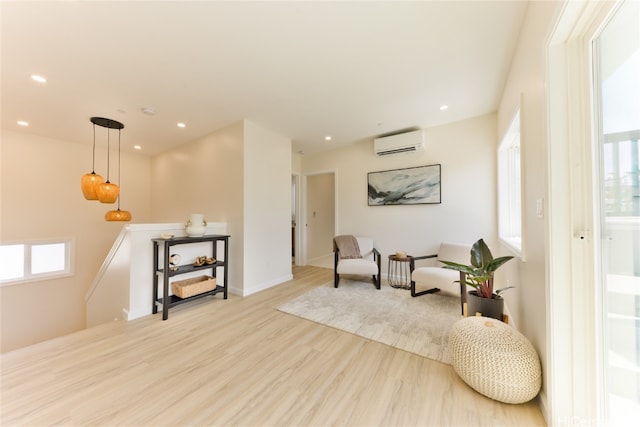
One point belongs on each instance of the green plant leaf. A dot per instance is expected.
(496, 263)
(480, 254)
(501, 290)
(458, 267)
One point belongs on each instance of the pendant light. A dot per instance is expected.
(107, 191)
(90, 181)
(118, 215)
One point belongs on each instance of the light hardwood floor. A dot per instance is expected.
(238, 362)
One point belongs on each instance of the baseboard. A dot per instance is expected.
(266, 285)
(324, 261)
(542, 404)
(512, 321)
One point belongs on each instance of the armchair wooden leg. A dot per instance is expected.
(417, 294)
(376, 281)
(336, 280)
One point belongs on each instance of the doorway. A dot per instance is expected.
(319, 219)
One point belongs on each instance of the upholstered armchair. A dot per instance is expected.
(435, 278)
(357, 256)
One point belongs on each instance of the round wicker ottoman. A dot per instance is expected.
(495, 359)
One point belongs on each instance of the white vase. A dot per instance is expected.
(196, 225)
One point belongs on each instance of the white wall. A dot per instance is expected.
(267, 208)
(41, 199)
(466, 151)
(205, 176)
(526, 84)
(241, 176)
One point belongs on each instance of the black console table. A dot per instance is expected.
(167, 301)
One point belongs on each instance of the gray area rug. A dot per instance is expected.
(391, 316)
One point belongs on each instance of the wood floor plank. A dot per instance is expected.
(238, 362)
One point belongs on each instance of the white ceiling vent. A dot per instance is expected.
(400, 143)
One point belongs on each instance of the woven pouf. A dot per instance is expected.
(495, 359)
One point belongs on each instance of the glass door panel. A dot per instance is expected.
(617, 56)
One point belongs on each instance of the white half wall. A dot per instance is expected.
(123, 287)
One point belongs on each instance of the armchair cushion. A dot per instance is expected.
(437, 277)
(357, 266)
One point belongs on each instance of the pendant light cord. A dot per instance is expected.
(93, 164)
(119, 181)
(108, 149)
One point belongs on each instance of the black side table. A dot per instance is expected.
(398, 272)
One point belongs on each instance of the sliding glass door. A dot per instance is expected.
(617, 105)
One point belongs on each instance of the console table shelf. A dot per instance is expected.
(175, 300)
(182, 269)
(163, 272)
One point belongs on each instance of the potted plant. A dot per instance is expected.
(479, 275)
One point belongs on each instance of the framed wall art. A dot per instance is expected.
(409, 186)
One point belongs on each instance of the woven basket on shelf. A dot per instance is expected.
(495, 359)
(196, 285)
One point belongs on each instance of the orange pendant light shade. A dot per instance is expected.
(89, 184)
(118, 215)
(107, 192)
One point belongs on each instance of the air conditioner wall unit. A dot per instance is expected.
(401, 143)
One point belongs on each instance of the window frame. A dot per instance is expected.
(510, 210)
(28, 276)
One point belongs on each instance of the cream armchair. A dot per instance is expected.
(349, 261)
(436, 278)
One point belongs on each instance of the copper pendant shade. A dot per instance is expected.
(89, 184)
(118, 215)
(108, 192)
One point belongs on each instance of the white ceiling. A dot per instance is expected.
(352, 70)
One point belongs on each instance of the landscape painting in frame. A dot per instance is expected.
(410, 186)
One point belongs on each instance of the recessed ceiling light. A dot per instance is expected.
(23, 123)
(148, 111)
(181, 125)
(137, 147)
(327, 138)
(443, 107)
(38, 78)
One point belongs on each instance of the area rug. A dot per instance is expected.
(390, 316)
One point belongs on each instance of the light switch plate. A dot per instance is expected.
(539, 208)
